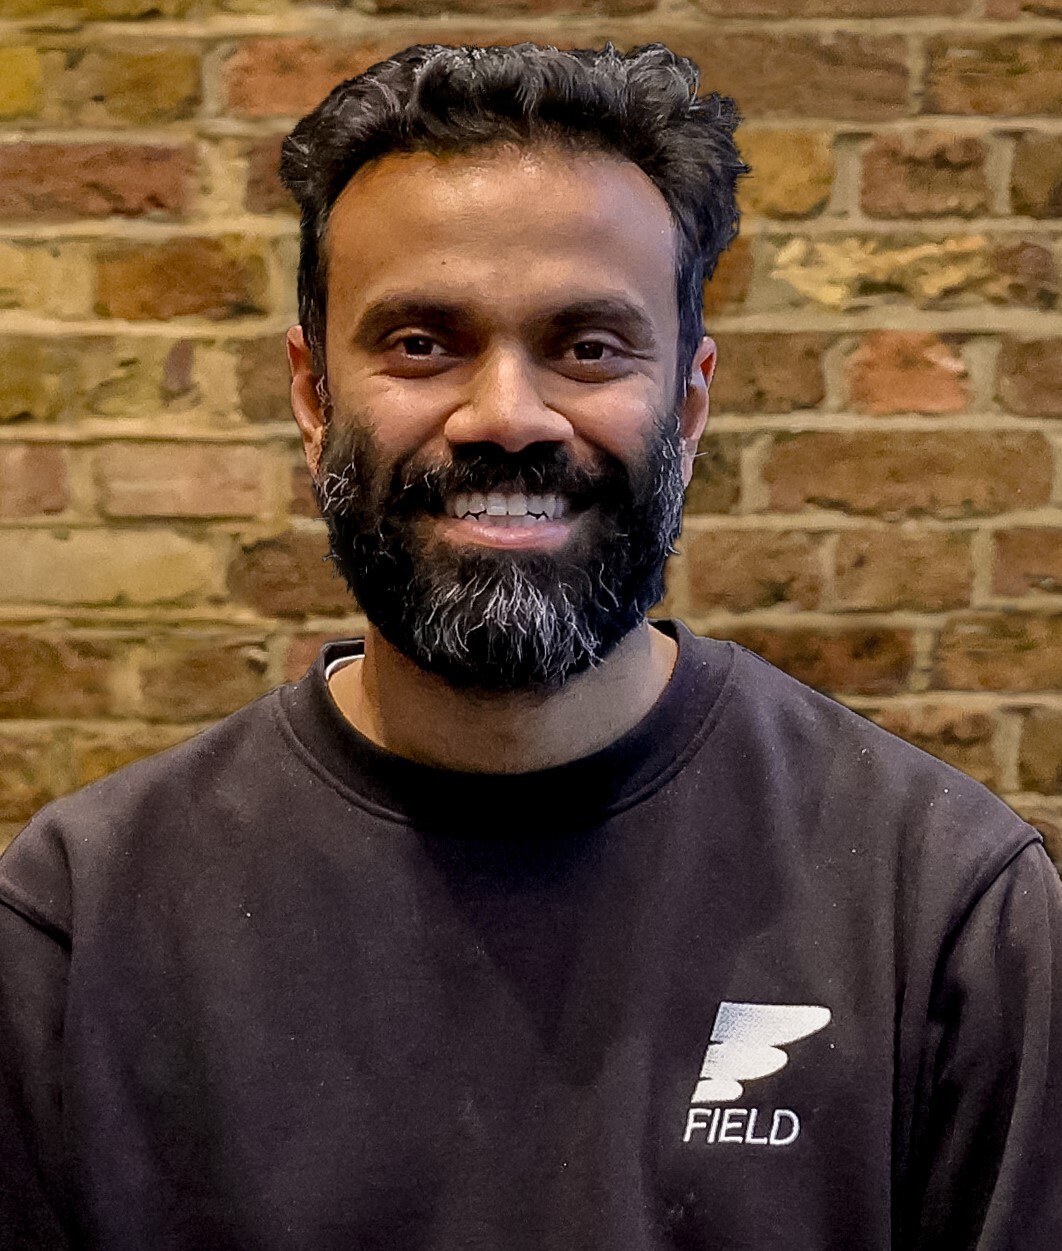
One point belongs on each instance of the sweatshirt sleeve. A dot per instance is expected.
(34, 960)
(987, 1171)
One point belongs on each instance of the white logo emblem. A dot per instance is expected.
(746, 1043)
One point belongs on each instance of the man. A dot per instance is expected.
(523, 923)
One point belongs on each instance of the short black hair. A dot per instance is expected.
(641, 106)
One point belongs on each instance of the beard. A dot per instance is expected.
(488, 619)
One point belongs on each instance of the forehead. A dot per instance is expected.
(503, 228)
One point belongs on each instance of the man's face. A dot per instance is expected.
(502, 335)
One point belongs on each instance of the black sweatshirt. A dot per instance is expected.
(758, 975)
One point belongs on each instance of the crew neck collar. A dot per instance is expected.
(575, 793)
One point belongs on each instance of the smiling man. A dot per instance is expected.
(523, 923)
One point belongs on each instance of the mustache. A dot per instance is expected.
(539, 469)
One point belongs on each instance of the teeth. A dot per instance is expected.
(514, 509)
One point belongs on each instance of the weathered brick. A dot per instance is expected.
(105, 85)
(53, 181)
(853, 77)
(906, 371)
(29, 773)
(135, 377)
(837, 75)
(54, 676)
(110, 10)
(1048, 821)
(302, 652)
(831, 8)
(729, 284)
(768, 373)
(1027, 560)
(190, 277)
(21, 81)
(1040, 754)
(960, 736)
(1007, 9)
(264, 379)
(716, 481)
(1026, 275)
(1004, 652)
(927, 571)
(37, 377)
(857, 660)
(535, 8)
(741, 570)
(863, 272)
(1009, 75)
(105, 567)
(303, 500)
(940, 474)
(926, 174)
(54, 280)
(193, 679)
(289, 576)
(33, 480)
(1030, 376)
(98, 751)
(181, 480)
(265, 192)
(1036, 176)
(792, 171)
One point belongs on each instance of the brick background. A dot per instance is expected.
(878, 503)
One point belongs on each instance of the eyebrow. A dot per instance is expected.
(615, 312)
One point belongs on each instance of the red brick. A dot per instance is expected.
(1030, 377)
(741, 570)
(29, 774)
(196, 680)
(1009, 76)
(768, 373)
(44, 676)
(1026, 275)
(265, 192)
(264, 380)
(1036, 176)
(104, 85)
(857, 660)
(905, 371)
(729, 284)
(945, 474)
(44, 182)
(960, 736)
(215, 278)
(716, 482)
(1027, 561)
(288, 77)
(929, 173)
(181, 480)
(1005, 652)
(927, 571)
(33, 480)
(1040, 754)
(302, 652)
(288, 576)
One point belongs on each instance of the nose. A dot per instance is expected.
(505, 407)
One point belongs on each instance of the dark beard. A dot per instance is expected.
(496, 620)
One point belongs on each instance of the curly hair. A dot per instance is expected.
(642, 107)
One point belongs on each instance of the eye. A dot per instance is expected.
(422, 344)
(596, 348)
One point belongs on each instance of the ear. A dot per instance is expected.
(306, 403)
(694, 413)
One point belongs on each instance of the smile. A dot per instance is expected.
(513, 510)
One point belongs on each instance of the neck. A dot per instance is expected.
(415, 714)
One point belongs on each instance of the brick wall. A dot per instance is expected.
(879, 504)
